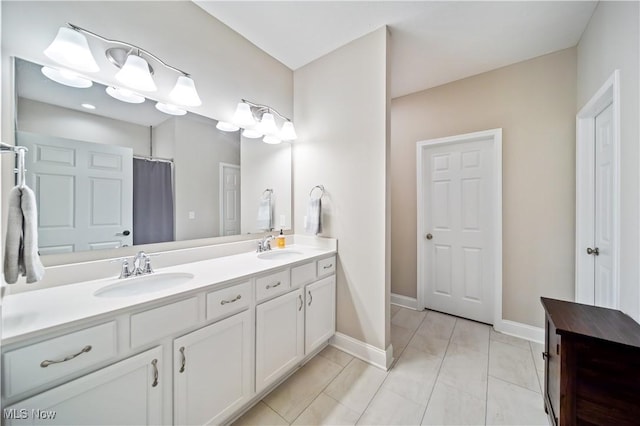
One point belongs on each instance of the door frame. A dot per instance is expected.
(496, 138)
(609, 93)
(221, 201)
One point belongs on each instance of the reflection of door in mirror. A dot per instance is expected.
(229, 199)
(83, 190)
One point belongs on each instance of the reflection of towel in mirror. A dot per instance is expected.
(265, 213)
(21, 245)
(313, 225)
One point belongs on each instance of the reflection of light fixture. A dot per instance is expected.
(259, 120)
(272, 140)
(124, 95)
(135, 74)
(71, 49)
(170, 109)
(227, 127)
(66, 77)
(88, 106)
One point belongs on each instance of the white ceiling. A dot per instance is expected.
(432, 42)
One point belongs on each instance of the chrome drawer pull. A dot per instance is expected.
(47, 363)
(155, 373)
(235, 299)
(328, 266)
(273, 285)
(310, 298)
(301, 302)
(184, 360)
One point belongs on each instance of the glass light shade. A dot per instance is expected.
(271, 140)
(70, 48)
(66, 77)
(124, 95)
(135, 74)
(252, 134)
(184, 92)
(243, 116)
(267, 125)
(288, 132)
(170, 109)
(227, 127)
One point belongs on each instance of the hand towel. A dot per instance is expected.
(265, 213)
(313, 225)
(21, 244)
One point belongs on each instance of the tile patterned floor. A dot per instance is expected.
(448, 371)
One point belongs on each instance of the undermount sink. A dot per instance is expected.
(279, 254)
(144, 284)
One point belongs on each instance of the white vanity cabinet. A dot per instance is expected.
(320, 313)
(211, 371)
(127, 392)
(279, 337)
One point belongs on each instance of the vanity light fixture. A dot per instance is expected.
(124, 95)
(227, 127)
(66, 77)
(259, 120)
(71, 49)
(170, 109)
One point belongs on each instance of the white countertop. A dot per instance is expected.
(29, 313)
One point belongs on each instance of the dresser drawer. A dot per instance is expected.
(272, 284)
(326, 266)
(303, 274)
(228, 300)
(38, 364)
(154, 324)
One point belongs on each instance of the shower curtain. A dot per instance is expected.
(153, 218)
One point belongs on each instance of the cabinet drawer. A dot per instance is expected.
(228, 300)
(303, 274)
(26, 368)
(326, 266)
(272, 284)
(154, 324)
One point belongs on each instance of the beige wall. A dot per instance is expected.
(341, 118)
(610, 42)
(533, 102)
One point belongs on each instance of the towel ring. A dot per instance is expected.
(320, 187)
(268, 190)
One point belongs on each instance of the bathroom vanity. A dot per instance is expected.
(216, 337)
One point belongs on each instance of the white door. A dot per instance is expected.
(320, 313)
(229, 199)
(457, 228)
(126, 393)
(84, 193)
(212, 371)
(279, 337)
(603, 231)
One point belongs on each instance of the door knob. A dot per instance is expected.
(126, 232)
(429, 236)
(595, 251)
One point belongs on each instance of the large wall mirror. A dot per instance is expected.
(110, 174)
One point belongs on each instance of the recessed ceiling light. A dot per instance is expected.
(88, 106)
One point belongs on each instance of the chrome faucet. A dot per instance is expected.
(142, 264)
(264, 244)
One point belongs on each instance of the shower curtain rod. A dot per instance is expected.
(159, 159)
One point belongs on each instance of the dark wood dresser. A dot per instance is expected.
(592, 365)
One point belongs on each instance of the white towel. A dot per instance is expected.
(265, 213)
(313, 225)
(21, 248)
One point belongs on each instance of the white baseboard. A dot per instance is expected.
(523, 331)
(404, 301)
(364, 351)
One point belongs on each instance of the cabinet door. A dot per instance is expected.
(279, 337)
(211, 371)
(126, 393)
(320, 313)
